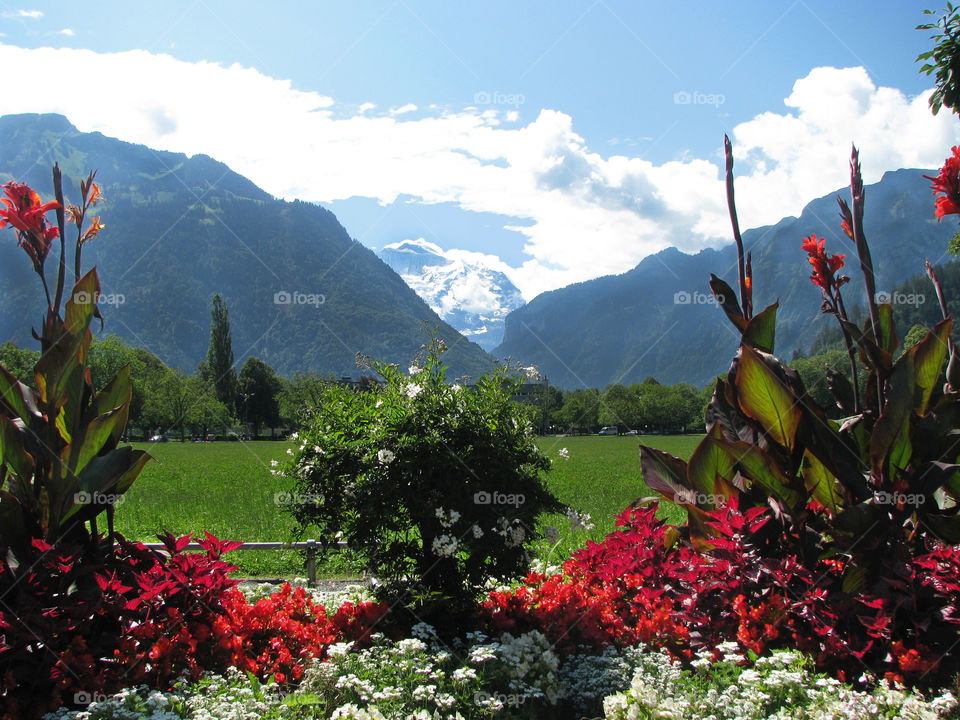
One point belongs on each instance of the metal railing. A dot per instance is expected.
(310, 546)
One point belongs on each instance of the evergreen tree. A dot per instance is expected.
(219, 367)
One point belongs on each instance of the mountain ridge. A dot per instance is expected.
(566, 332)
(179, 229)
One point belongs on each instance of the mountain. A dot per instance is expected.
(302, 295)
(468, 290)
(659, 319)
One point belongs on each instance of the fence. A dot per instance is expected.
(310, 545)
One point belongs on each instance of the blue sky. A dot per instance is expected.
(568, 139)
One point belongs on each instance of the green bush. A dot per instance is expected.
(437, 486)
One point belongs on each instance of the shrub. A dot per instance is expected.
(437, 486)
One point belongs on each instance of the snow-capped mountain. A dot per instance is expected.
(469, 290)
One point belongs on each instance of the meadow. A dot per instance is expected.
(226, 488)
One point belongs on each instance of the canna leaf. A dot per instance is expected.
(761, 329)
(764, 397)
(821, 484)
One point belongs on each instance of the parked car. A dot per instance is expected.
(609, 430)
(630, 432)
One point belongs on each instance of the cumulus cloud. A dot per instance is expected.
(30, 14)
(67, 32)
(579, 214)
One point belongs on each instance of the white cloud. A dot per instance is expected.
(66, 32)
(30, 14)
(579, 214)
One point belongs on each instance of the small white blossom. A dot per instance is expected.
(414, 370)
(564, 453)
(385, 457)
(444, 545)
(413, 390)
(579, 521)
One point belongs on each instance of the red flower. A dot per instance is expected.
(24, 211)
(948, 183)
(824, 268)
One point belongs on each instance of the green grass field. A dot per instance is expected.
(227, 489)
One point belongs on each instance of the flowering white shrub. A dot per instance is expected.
(778, 686)
(435, 489)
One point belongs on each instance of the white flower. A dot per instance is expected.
(531, 372)
(413, 390)
(564, 453)
(385, 457)
(477, 532)
(578, 521)
(414, 370)
(444, 545)
(273, 463)
(456, 387)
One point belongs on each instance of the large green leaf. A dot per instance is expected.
(90, 441)
(888, 331)
(12, 451)
(821, 483)
(110, 474)
(663, 472)
(761, 329)
(764, 397)
(929, 355)
(116, 394)
(760, 469)
(708, 462)
(890, 447)
(17, 395)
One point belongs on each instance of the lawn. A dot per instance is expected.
(226, 488)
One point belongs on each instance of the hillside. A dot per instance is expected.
(659, 318)
(302, 295)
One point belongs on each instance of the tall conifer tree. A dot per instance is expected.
(220, 365)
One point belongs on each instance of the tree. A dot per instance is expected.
(619, 407)
(19, 362)
(944, 60)
(257, 391)
(581, 410)
(220, 363)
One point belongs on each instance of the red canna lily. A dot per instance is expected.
(948, 183)
(25, 212)
(824, 268)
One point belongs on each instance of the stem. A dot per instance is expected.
(866, 262)
(842, 312)
(61, 226)
(731, 206)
